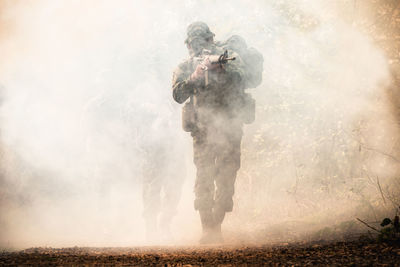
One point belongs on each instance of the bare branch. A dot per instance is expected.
(379, 151)
(380, 189)
(369, 226)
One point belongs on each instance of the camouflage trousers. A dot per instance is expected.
(217, 159)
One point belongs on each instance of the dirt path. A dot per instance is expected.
(339, 253)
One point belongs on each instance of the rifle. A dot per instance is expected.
(214, 59)
(189, 116)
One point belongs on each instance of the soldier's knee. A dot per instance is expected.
(226, 177)
(229, 162)
(203, 161)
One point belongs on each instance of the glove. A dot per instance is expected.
(211, 62)
(198, 72)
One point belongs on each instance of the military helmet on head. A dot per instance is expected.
(198, 29)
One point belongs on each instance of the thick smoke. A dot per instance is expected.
(87, 84)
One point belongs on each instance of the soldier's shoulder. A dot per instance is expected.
(184, 65)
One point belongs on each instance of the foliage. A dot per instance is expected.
(390, 231)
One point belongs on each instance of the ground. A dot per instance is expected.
(355, 253)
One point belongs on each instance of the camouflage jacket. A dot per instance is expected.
(225, 88)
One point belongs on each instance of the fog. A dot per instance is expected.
(86, 88)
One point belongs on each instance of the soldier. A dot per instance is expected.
(154, 134)
(213, 115)
(161, 183)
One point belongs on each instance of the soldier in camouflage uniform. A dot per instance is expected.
(155, 135)
(217, 129)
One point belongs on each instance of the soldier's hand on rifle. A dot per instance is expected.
(198, 72)
(211, 62)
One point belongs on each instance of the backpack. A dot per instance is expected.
(251, 57)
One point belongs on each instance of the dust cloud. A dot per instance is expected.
(86, 88)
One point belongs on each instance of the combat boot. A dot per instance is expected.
(211, 228)
(212, 235)
(218, 215)
(207, 224)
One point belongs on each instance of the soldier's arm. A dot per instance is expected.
(182, 86)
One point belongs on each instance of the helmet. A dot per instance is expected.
(196, 30)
